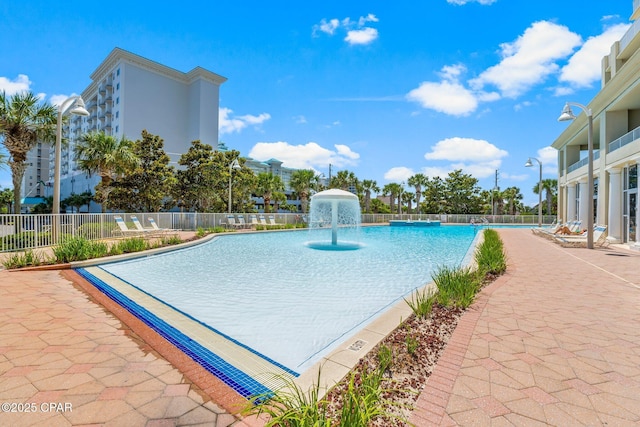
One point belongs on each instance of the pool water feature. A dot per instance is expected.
(338, 212)
(287, 303)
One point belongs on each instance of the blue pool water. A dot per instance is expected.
(289, 302)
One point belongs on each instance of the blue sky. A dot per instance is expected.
(384, 89)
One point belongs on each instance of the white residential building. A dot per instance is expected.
(616, 141)
(130, 93)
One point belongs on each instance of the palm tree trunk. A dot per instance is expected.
(17, 173)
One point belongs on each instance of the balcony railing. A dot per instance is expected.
(631, 33)
(625, 139)
(582, 162)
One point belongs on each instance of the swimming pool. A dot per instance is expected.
(289, 303)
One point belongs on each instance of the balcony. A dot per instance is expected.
(628, 38)
(583, 162)
(625, 139)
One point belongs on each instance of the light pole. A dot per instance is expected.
(78, 109)
(567, 115)
(528, 165)
(233, 165)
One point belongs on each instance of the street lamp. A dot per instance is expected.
(528, 165)
(78, 109)
(233, 165)
(567, 115)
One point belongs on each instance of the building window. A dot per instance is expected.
(118, 100)
(118, 72)
(116, 129)
(117, 86)
(117, 114)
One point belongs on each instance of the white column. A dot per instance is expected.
(571, 202)
(637, 245)
(584, 206)
(614, 228)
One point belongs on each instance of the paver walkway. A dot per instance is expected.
(66, 361)
(555, 341)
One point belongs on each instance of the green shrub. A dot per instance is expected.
(25, 259)
(422, 302)
(171, 240)
(79, 249)
(385, 358)
(490, 255)
(457, 286)
(134, 244)
(412, 344)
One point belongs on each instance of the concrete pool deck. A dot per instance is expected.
(555, 341)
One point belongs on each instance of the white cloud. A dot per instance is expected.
(461, 149)
(300, 119)
(463, 2)
(57, 100)
(529, 59)
(327, 27)
(363, 36)
(398, 174)
(447, 96)
(229, 124)
(357, 31)
(11, 87)
(549, 158)
(308, 156)
(583, 69)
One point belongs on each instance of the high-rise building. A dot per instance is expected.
(130, 93)
(615, 113)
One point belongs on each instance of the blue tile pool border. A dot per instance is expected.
(242, 383)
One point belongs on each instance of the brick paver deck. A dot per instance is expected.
(555, 341)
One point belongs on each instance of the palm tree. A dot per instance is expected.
(394, 191)
(24, 121)
(418, 181)
(512, 196)
(408, 197)
(369, 186)
(266, 185)
(549, 186)
(343, 180)
(303, 181)
(106, 156)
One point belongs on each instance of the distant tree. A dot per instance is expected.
(303, 182)
(369, 186)
(46, 206)
(147, 186)
(418, 181)
(195, 181)
(435, 196)
(266, 185)
(512, 197)
(279, 200)
(74, 200)
(394, 191)
(378, 207)
(550, 187)
(6, 200)
(408, 198)
(24, 121)
(343, 180)
(105, 155)
(462, 193)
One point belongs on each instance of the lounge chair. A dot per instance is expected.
(553, 227)
(262, 219)
(599, 236)
(272, 220)
(154, 226)
(124, 230)
(241, 222)
(253, 220)
(231, 221)
(140, 228)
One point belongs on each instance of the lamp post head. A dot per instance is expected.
(567, 114)
(529, 163)
(235, 164)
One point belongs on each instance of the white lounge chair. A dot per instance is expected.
(253, 220)
(139, 226)
(599, 236)
(272, 220)
(241, 222)
(262, 219)
(231, 221)
(154, 226)
(124, 230)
